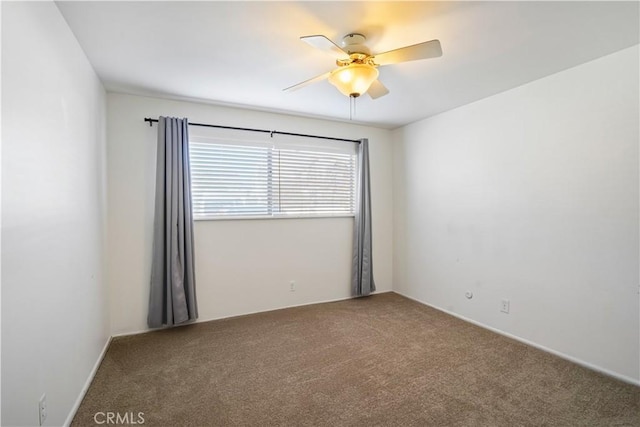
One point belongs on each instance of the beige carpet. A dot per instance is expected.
(382, 360)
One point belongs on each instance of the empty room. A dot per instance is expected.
(297, 213)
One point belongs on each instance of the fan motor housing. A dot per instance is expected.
(355, 58)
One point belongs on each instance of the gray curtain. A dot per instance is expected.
(362, 273)
(172, 299)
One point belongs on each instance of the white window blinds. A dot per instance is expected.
(245, 179)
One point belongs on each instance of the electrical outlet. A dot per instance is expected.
(292, 286)
(42, 408)
(504, 307)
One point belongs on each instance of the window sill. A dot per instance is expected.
(245, 217)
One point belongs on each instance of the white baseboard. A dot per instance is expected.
(531, 343)
(87, 383)
(126, 334)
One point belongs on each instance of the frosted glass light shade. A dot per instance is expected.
(353, 79)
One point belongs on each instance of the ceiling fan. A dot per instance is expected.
(357, 71)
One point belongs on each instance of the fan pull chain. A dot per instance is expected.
(352, 107)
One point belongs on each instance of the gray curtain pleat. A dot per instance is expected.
(172, 298)
(362, 273)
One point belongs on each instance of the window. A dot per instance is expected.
(271, 179)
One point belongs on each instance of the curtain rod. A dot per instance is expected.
(272, 132)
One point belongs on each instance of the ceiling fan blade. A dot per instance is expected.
(307, 82)
(430, 49)
(323, 43)
(377, 89)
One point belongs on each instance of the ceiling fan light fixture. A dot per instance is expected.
(354, 79)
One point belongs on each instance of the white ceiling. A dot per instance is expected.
(245, 53)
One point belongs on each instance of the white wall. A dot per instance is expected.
(54, 301)
(531, 195)
(242, 266)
